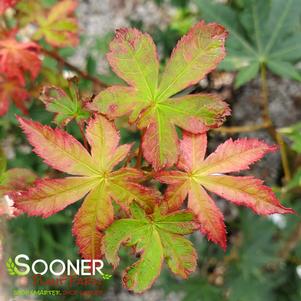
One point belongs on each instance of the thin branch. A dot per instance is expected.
(267, 119)
(242, 129)
(71, 67)
(267, 124)
(284, 157)
(265, 95)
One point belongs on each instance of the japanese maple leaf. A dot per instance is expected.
(93, 175)
(59, 27)
(196, 175)
(17, 58)
(66, 106)
(147, 100)
(156, 237)
(11, 90)
(5, 4)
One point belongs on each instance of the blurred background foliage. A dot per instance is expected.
(263, 259)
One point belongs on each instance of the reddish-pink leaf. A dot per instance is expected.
(17, 58)
(176, 194)
(58, 149)
(199, 172)
(117, 101)
(193, 150)
(127, 178)
(5, 4)
(133, 57)
(237, 155)
(104, 139)
(195, 55)
(246, 191)
(11, 90)
(160, 133)
(49, 196)
(208, 214)
(103, 185)
(95, 214)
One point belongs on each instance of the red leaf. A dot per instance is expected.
(199, 173)
(147, 100)
(58, 149)
(208, 214)
(94, 177)
(17, 58)
(5, 4)
(11, 90)
(246, 191)
(237, 155)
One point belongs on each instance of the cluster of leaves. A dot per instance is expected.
(262, 33)
(21, 49)
(121, 205)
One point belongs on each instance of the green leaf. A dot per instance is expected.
(59, 27)
(91, 65)
(246, 74)
(133, 58)
(284, 69)
(295, 181)
(294, 133)
(261, 32)
(66, 106)
(289, 49)
(95, 179)
(155, 237)
(147, 100)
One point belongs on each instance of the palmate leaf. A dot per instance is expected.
(59, 27)
(156, 237)
(93, 175)
(65, 106)
(196, 175)
(18, 58)
(147, 99)
(265, 32)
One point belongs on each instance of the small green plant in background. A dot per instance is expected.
(263, 34)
